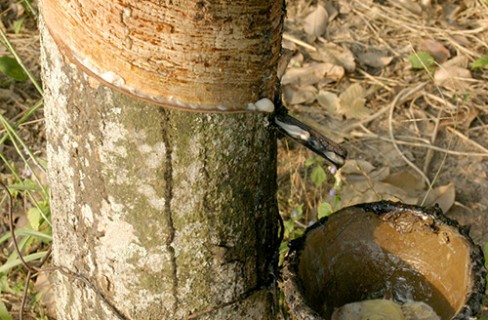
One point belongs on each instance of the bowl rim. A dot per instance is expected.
(292, 285)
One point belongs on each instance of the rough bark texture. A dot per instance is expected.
(195, 54)
(157, 214)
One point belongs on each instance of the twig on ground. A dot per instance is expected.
(375, 80)
(289, 37)
(466, 139)
(372, 135)
(24, 294)
(430, 153)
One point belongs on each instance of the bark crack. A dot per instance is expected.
(168, 178)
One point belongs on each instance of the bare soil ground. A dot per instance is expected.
(416, 134)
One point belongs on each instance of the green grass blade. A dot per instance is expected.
(10, 48)
(16, 262)
(26, 186)
(16, 141)
(23, 119)
(4, 315)
(27, 233)
(29, 193)
(31, 8)
(9, 166)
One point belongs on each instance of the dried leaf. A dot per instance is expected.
(410, 6)
(386, 153)
(329, 101)
(8, 93)
(18, 9)
(452, 11)
(364, 183)
(444, 196)
(296, 61)
(409, 181)
(462, 119)
(314, 123)
(302, 94)
(457, 61)
(315, 23)
(369, 191)
(358, 167)
(380, 174)
(452, 77)
(461, 40)
(331, 10)
(334, 73)
(374, 59)
(352, 102)
(335, 54)
(436, 50)
(344, 7)
(312, 73)
(302, 75)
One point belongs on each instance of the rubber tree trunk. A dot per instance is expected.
(159, 213)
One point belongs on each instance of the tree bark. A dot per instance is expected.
(216, 55)
(157, 213)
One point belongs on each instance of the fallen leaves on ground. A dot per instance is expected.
(315, 23)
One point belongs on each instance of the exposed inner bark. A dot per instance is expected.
(193, 54)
